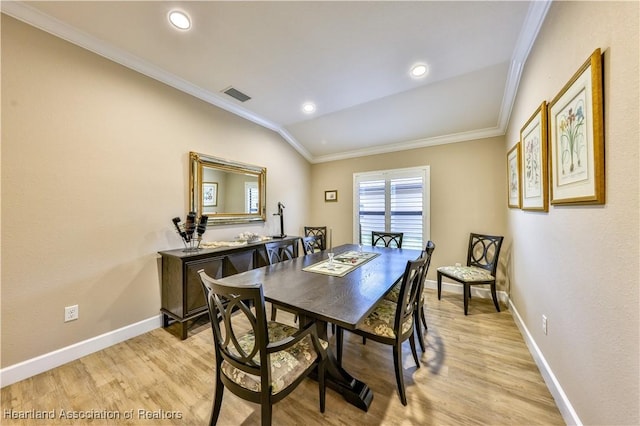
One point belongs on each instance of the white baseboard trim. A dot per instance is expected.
(31, 367)
(564, 405)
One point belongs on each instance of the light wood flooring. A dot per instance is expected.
(476, 370)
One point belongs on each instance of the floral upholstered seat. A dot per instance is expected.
(286, 365)
(466, 273)
(380, 321)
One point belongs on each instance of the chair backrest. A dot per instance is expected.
(279, 251)
(426, 262)
(484, 251)
(228, 306)
(409, 294)
(311, 244)
(389, 239)
(320, 231)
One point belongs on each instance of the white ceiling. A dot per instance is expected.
(351, 59)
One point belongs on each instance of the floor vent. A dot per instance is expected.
(236, 94)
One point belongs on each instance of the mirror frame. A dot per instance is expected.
(197, 161)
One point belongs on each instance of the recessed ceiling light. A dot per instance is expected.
(419, 70)
(179, 20)
(308, 107)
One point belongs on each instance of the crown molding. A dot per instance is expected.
(535, 17)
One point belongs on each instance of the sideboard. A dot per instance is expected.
(182, 296)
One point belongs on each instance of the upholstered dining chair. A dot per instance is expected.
(482, 263)
(387, 239)
(268, 361)
(320, 231)
(420, 317)
(392, 323)
(311, 244)
(279, 251)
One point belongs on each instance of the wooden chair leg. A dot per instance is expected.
(466, 290)
(364, 340)
(266, 414)
(439, 285)
(412, 342)
(273, 313)
(397, 362)
(418, 327)
(423, 317)
(217, 402)
(321, 384)
(495, 296)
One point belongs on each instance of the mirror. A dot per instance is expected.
(226, 191)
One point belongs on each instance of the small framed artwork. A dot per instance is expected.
(513, 176)
(576, 137)
(535, 182)
(331, 196)
(209, 194)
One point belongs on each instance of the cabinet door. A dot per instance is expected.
(238, 262)
(194, 296)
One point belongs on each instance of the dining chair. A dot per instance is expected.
(482, 263)
(320, 231)
(268, 361)
(388, 239)
(391, 323)
(279, 251)
(311, 244)
(420, 317)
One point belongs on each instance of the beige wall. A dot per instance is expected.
(468, 193)
(579, 265)
(94, 166)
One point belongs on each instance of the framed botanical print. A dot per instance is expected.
(533, 140)
(209, 194)
(576, 137)
(513, 176)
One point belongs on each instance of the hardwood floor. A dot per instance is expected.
(476, 370)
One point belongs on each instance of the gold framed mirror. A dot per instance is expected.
(226, 191)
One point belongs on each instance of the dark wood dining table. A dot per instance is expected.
(344, 301)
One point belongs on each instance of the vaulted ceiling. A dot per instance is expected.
(350, 59)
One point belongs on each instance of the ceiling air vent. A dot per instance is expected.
(236, 94)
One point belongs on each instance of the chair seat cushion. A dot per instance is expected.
(286, 365)
(394, 294)
(380, 321)
(466, 273)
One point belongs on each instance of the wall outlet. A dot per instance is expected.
(70, 313)
(544, 324)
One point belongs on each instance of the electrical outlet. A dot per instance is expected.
(70, 313)
(544, 324)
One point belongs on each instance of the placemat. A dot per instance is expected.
(343, 263)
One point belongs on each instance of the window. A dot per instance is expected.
(251, 197)
(392, 201)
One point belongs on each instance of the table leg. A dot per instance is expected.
(352, 390)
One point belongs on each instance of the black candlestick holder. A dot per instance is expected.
(191, 231)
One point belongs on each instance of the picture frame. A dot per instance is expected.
(331, 196)
(513, 177)
(209, 194)
(576, 137)
(533, 154)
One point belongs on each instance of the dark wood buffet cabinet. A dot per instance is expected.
(182, 295)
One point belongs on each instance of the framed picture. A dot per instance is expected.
(330, 196)
(209, 194)
(576, 137)
(535, 182)
(513, 176)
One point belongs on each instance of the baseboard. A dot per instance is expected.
(564, 405)
(23, 370)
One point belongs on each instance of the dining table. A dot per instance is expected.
(342, 292)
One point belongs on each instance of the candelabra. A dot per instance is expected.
(189, 228)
